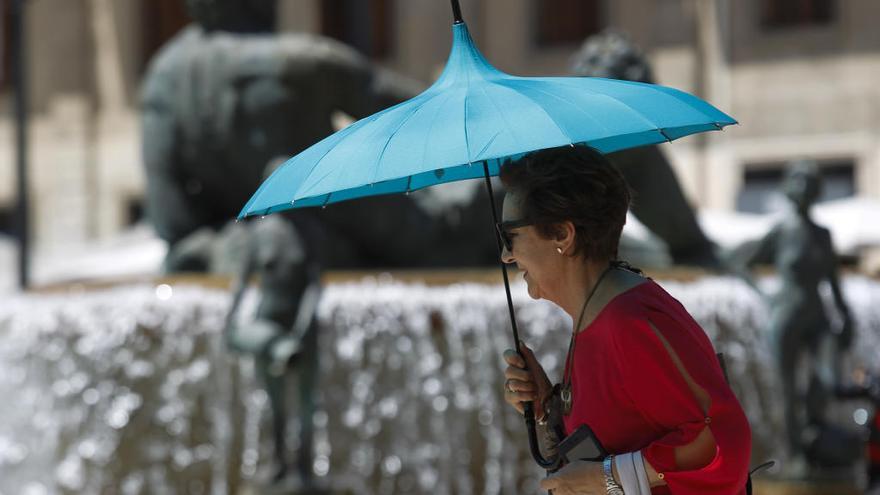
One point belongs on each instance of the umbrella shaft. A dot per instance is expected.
(552, 463)
(501, 261)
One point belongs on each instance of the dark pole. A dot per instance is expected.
(19, 83)
(500, 261)
(456, 12)
(552, 463)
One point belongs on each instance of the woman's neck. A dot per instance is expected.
(613, 283)
(578, 283)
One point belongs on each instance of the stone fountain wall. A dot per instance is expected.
(130, 390)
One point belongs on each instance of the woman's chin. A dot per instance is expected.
(533, 291)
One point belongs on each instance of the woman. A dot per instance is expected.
(640, 372)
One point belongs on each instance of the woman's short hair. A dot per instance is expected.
(574, 183)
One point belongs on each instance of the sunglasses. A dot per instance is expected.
(503, 229)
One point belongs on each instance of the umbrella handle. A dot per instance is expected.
(553, 462)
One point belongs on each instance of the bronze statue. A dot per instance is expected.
(799, 327)
(659, 203)
(223, 100)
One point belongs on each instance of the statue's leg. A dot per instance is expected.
(660, 204)
(307, 364)
(788, 352)
(820, 346)
(274, 384)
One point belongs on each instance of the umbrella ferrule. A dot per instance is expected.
(456, 12)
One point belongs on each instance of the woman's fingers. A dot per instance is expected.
(518, 374)
(520, 386)
(531, 362)
(550, 483)
(514, 359)
(581, 477)
(514, 398)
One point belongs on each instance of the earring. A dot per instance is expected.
(559, 250)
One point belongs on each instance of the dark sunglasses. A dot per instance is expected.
(503, 229)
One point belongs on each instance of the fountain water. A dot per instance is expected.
(131, 388)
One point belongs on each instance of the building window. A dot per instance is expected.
(566, 22)
(761, 193)
(367, 25)
(162, 20)
(789, 13)
(134, 210)
(7, 220)
(5, 45)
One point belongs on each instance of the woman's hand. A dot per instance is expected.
(577, 478)
(525, 380)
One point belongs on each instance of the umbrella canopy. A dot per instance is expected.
(476, 114)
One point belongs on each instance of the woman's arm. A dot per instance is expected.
(668, 392)
(695, 455)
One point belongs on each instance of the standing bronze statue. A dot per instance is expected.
(799, 327)
(281, 334)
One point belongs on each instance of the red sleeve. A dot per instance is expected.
(659, 391)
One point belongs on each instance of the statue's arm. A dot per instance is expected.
(745, 256)
(845, 334)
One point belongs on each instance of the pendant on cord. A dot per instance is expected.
(565, 395)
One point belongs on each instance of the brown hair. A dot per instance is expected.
(574, 183)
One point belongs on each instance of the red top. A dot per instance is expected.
(627, 388)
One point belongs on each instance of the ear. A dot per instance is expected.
(564, 236)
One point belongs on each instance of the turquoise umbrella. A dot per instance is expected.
(475, 114)
(467, 123)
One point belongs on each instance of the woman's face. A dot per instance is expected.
(533, 254)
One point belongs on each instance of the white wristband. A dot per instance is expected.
(632, 473)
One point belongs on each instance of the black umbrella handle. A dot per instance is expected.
(553, 462)
(456, 12)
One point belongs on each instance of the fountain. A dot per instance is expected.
(132, 388)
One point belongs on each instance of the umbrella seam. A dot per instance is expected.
(394, 133)
(467, 89)
(574, 106)
(501, 113)
(354, 128)
(675, 93)
(319, 160)
(625, 105)
(431, 127)
(541, 107)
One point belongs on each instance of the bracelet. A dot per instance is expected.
(611, 486)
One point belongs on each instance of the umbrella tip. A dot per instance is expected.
(456, 12)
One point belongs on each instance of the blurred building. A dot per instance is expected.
(801, 76)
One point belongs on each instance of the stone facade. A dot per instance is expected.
(802, 91)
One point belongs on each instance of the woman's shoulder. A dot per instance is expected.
(633, 301)
(634, 310)
(627, 306)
